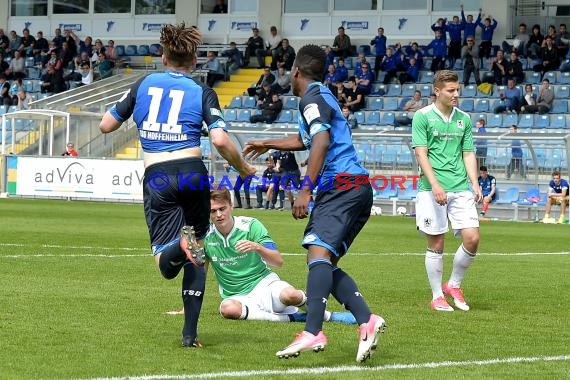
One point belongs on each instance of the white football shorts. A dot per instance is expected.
(432, 218)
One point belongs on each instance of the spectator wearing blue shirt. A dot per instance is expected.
(439, 48)
(488, 27)
(488, 185)
(557, 195)
(480, 144)
(565, 66)
(389, 65)
(412, 72)
(454, 28)
(413, 50)
(469, 27)
(341, 71)
(365, 79)
(510, 98)
(379, 42)
(329, 57)
(441, 26)
(358, 65)
(330, 77)
(516, 155)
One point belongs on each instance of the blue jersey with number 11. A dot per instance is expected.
(169, 109)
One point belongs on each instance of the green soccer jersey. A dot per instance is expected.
(446, 141)
(237, 272)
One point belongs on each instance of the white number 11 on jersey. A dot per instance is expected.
(171, 125)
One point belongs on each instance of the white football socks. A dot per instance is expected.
(461, 261)
(434, 269)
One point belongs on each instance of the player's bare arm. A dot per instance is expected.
(255, 148)
(470, 161)
(439, 194)
(315, 161)
(270, 256)
(108, 123)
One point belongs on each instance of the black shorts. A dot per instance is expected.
(454, 50)
(175, 193)
(338, 216)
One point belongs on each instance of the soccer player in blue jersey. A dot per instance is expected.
(339, 211)
(169, 109)
(488, 186)
(557, 195)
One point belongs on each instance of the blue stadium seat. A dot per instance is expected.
(426, 76)
(531, 77)
(426, 90)
(405, 158)
(375, 103)
(348, 63)
(526, 121)
(387, 118)
(408, 194)
(558, 121)
(29, 62)
(510, 196)
(249, 102)
(360, 118)
(542, 121)
(379, 89)
(564, 78)
(510, 119)
(386, 193)
(230, 115)
(560, 106)
(286, 116)
(120, 49)
(469, 91)
(551, 76)
(235, 102)
(495, 121)
(394, 90)
(408, 90)
(467, 105)
(131, 50)
(153, 49)
(390, 104)
(531, 197)
(291, 103)
(482, 105)
(143, 50)
(244, 116)
(373, 117)
(364, 49)
(477, 116)
(562, 92)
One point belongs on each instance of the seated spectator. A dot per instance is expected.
(350, 118)
(235, 58)
(66, 56)
(529, 98)
(27, 42)
(254, 43)
(104, 66)
(111, 53)
(284, 56)
(264, 95)
(411, 106)
(365, 79)
(499, 68)
(269, 111)
(329, 56)
(282, 84)
(535, 42)
(5, 97)
(515, 69)
(330, 77)
(471, 61)
(16, 86)
(341, 71)
(54, 60)
(83, 46)
(3, 64)
(271, 44)
(341, 44)
(412, 72)
(267, 76)
(52, 81)
(340, 92)
(544, 101)
(98, 49)
(565, 65)
(40, 47)
(215, 69)
(15, 42)
(354, 96)
(24, 100)
(510, 98)
(520, 42)
(488, 186)
(69, 150)
(549, 57)
(561, 40)
(413, 50)
(557, 195)
(17, 67)
(361, 60)
(4, 41)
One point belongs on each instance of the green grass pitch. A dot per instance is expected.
(80, 297)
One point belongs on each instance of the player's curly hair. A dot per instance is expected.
(311, 61)
(180, 43)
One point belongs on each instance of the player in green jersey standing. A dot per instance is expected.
(240, 250)
(443, 144)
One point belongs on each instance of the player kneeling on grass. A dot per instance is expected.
(557, 195)
(240, 250)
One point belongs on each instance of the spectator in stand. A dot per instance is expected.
(557, 195)
(215, 69)
(15, 42)
(284, 56)
(350, 118)
(98, 49)
(69, 150)
(16, 86)
(24, 100)
(340, 92)
(516, 155)
(454, 29)
(254, 43)
(40, 47)
(439, 47)
(330, 77)
(488, 186)
(365, 79)
(341, 44)
(359, 62)
(329, 56)
(104, 66)
(269, 110)
(535, 42)
(282, 84)
(544, 101)
(469, 26)
(412, 72)
(3, 64)
(565, 65)
(471, 61)
(111, 53)
(264, 95)
(488, 28)
(354, 96)
(379, 42)
(441, 26)
(480, 144)
(271, 44)
(220, 7)
(66, 56)
(499, 68)
(4, 41)
(5, 91)
(84, 46)
(45, 56)
(389, 66)
(520, 42)
(413, 50)
(562, 40)
(86, 73)
(27, 42)
(71, 44)
(55, 61)
(411, 106)
(17, 67)
(52, 81)
(341, 71)
(266, 77)
(515, 70)
(529, 97)
(510, 98)
(549, 57)
(58, 38)
(235, 59)
(551, 32)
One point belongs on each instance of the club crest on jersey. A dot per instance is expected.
(311, 112)
(460, 124)
(427, 222)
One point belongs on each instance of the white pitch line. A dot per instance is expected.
(341, 369)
